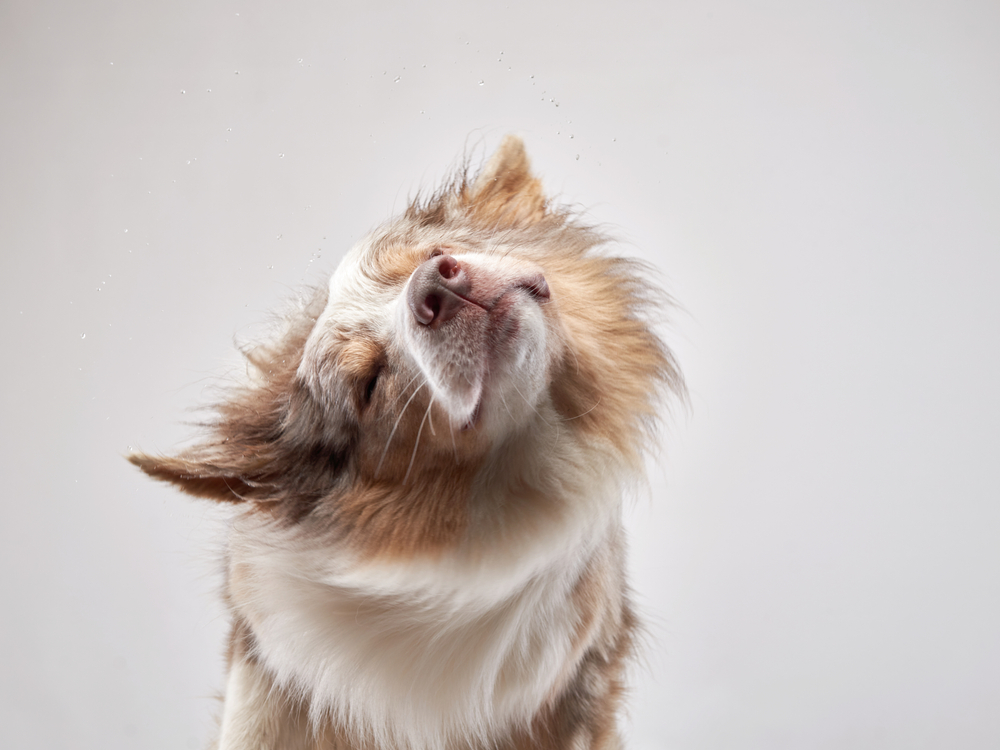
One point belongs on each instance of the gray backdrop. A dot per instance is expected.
(819, 183)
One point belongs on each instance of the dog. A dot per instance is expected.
(427, 468)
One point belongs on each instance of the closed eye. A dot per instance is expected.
(371, 385)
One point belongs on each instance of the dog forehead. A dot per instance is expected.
(360, 294)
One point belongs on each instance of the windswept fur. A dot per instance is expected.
(427, 469)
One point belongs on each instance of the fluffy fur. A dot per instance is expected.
(427, 469)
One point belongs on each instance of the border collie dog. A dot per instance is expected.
(426, 468)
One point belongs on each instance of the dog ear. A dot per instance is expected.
(505, 192)
(270, 439)
(268, 443)
(197, 475)
(271, 444)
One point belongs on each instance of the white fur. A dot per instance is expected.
(423, 654)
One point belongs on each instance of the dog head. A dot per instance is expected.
(482, 339)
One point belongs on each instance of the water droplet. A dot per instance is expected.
(482, 83)
(83, 335)
(300, 61)
(183, 91)
(572, 137)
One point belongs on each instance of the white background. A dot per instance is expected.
(819, 183)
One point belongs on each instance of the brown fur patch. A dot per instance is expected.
(269, 442)
(393, 260)
(506, 193)
(390, 520)
(613, 376)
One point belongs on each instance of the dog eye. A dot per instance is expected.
(371, 385)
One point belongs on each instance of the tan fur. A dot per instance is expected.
(342, 461)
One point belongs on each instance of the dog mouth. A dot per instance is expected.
(473, 420)
(466, 325)
(503, 329)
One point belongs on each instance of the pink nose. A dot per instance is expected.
(437, 290)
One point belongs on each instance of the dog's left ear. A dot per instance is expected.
(506, 192)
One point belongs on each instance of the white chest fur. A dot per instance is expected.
(413, 659)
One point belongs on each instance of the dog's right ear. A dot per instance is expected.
(196, 474)
(267, 444)
(270, 439)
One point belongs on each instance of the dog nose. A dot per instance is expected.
(437, 290)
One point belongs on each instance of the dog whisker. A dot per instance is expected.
(416, 443)
(532, 406)
(402, 391)
(430, 419)
(583, 413)
(388, 440)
